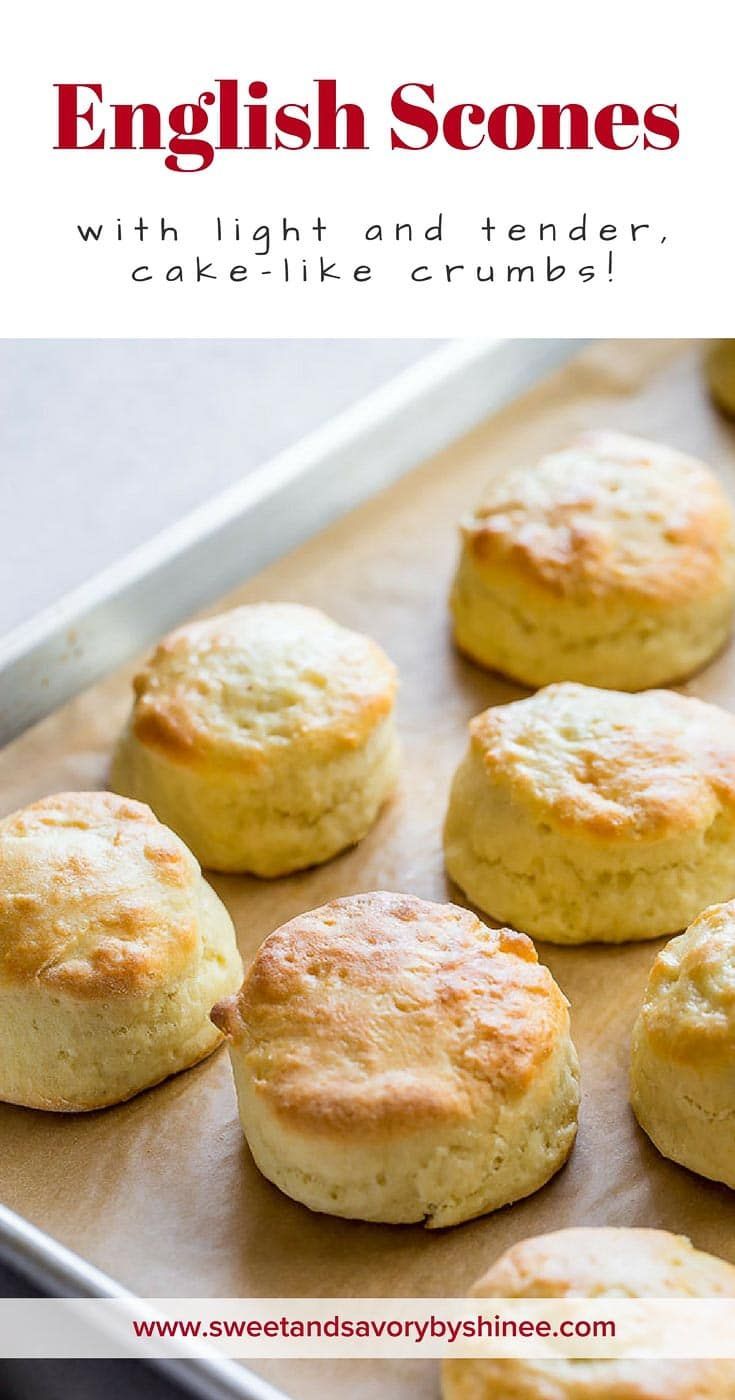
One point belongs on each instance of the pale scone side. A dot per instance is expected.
(683, 1054)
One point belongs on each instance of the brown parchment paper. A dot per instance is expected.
(161, 1192)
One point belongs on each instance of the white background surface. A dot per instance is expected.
(104, 443)
(532, 53)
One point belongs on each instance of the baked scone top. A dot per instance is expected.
(688, 1010)
(97, 897)
(607, 1262)
(615, 765)
(383, 1011)
(241, 687)
(610, 514)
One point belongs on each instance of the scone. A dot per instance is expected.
(399, 1061)
(582, 814)
(598, 1263)
(683, 1064)
(264, 737)
(611, 562)
(112, 948)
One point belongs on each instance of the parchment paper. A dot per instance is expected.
(161, 1193)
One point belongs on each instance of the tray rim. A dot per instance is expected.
(98, 626)
(91, 630)
(60, 1272)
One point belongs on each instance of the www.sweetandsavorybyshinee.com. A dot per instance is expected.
(349, 1328)
(369, 1328)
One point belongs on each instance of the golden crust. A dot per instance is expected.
(97, 897)
(606, 1262)
(610, 764)
(598, 1263)
(591, 1380)
(247, 686)
(688, 1012)
(382, 1010)
(611, 515)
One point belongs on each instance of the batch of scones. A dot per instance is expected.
(397, 1060)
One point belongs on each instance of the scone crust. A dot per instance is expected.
(250, 686)
(688, 1011)
(595, 1263)
(398, 1061)
(382, 1011)
(587, 1262)
(609, 563)
(97, 898)
(112, 949)
(683, 1048)
(583, 814)
(610, 516)
(609, 765)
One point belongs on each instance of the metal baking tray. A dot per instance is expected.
(116, 614)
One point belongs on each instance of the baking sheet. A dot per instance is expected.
(161, 1192)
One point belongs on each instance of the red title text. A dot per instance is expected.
(235, 116)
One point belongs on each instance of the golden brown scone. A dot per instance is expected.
(582, 814)
(683, 1065)
(112, 947)
(611, 562)
(264, 737)
(399, 1061)
(598, 1263)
